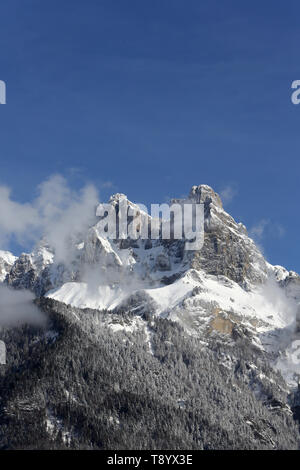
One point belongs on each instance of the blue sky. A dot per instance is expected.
(154, 97)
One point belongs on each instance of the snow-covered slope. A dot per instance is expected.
(225, 287)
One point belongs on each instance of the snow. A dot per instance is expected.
(169, 296)
(129, 327)
(84, 295)
(8, 257)
(267, 303)
(280, 272)
(289, 364)
(42, 256)
(149, 335)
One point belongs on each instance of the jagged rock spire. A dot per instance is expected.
(205, 194)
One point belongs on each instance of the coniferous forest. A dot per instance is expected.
(85, 385)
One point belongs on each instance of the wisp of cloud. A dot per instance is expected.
(17, 308)
(57, 213)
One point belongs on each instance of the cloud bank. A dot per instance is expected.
(266, 227)
(56, 212)
(17, 308)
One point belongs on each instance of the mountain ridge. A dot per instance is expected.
(226, 284)
(165, 310)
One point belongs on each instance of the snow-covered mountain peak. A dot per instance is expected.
(116, 198)
(227, 251)
(226, 285)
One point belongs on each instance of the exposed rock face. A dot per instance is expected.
(206, 195)
(22, 274)
(227, 249)
(163, 263)
(222, 323)
(32, 271)
(98, 251)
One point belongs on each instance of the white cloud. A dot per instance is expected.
(57, 212)
(107, 185)
(258, 230)
(64, 212)
(15, 218)
(17, 307)
(266, 227)
(279, 230)
(228, 193)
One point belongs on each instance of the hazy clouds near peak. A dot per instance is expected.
(276, 296)
(65, 213)
(228, 193)
(55, 213)
(17, 308)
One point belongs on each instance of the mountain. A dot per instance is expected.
(162, 333)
